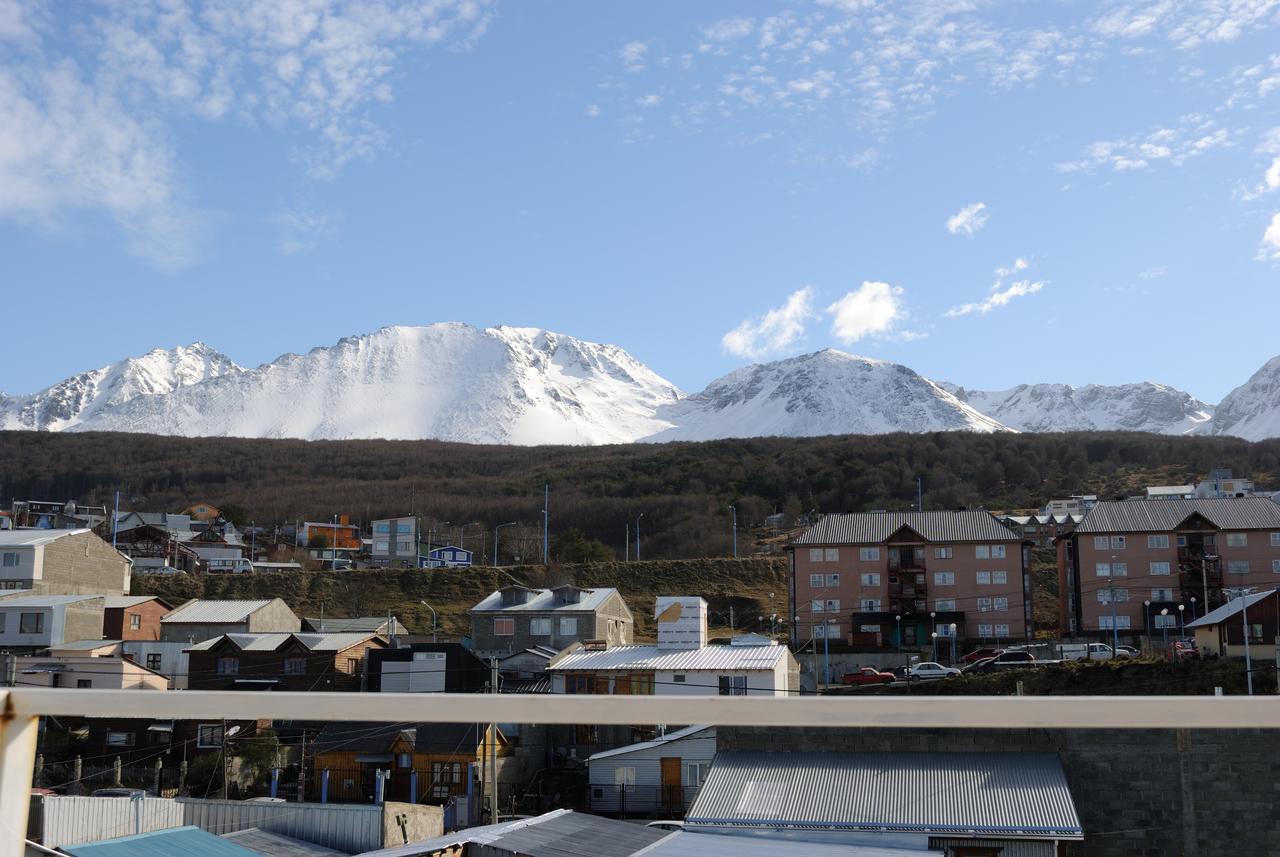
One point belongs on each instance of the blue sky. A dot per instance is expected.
(991, 193)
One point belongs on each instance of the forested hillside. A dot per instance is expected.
(683, 489)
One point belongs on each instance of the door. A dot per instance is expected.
(672, 794)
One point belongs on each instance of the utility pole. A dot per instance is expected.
(734, 511)
(496, 541)
(1115, 629)
(626, 541)
(546, 511)
(1204, 578)
(493, 747)
(115, 521)
(638, 517)
(1243, 594)
(919, 493)
(10, 669)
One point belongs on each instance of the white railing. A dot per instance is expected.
(22, 707)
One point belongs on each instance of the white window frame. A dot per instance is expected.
(1119, 569)
(1161, 620)
(815, 581)
(984, 605)
(833, 580)
(1158, 542)
(624, 776)
(124, 739)
(815, 554)
(1159, 568)
(11, 559)
(833, 605)
(870, 605)
(998, 552)
(831, 554)
(568, 626)
(999, 577)
(982, 551)
(983, 578)
(204, 731)
(1159, 591)
(1275, 569)
(944, 553)
(944, 578)
(1275, 540)
(869, 554)
(1102, 569)
(985, 630)
(1237, 540)
(540, 626)
(818, 606)
(1002, 629)
(870, 578)
(1101, 543)
(1117, 543)
(944, 605)
(1000, 604)
(1122, 622)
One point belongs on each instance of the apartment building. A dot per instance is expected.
(897, 578)
(395, 541)
(516, 618)
(1128, 561)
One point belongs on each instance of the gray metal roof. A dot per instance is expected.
(47, 600)
(351, 625)
(868, 528)
(1010, 795)
(116, 602)
(679, 660)
(686, 732)
(272, 640)
(543, 601)
(33, 538)
(1231, 608)
(213, 612)
(274, 845)
(1162, 516)
(690, 843)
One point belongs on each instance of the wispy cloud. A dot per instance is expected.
(1155, 272)
(303, 227)
(1000, 294)
(871, 309)
(633, 56)
(775, 330)
(1193, 136)
(968, 220)
(1270, 249)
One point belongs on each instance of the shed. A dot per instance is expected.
(664, 773)
(1221, 631)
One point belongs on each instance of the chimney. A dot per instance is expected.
(344, 520)
(682, 622)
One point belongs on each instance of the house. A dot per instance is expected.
(1076, 504)
(281, 661)
(1170, 492)
(52, 515)
(88, 663)
(885, 579)
(358, 624)
(1123, 554)
(153, 539)
(329, 542)
(133, 617)
(61, 562)
(659, 775)
(448, 556)
(32, 622)
(167, 657)
(395, 541)
(203, 512)
(680, 664)
(529, 664)
(966, 804)
(426, 668)
(1221, 631)
(516, 618)
(1222, 484)
(199, 620)
(1041, 530)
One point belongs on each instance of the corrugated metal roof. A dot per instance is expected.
(542, 601)
(1162, 516)
(684, 660)
(684, 843)
(47, 600)
(656, 742)
(482, 833)
(875, 527)
(83, 645)
(559, 833)
(1006, 794)
(188, 841)
(1231, 608)
(270, 641)
(337, 625)
(274, 845)
(117, 602)
(30, 538)
(214, 611)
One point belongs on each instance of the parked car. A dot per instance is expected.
(119, 792)
(158, 569)
(1086, 651)
(979, 655)
(1014, 657)
(1127, 652)
(867, 675)
(928, 670)
(981, 666)
(1182, 650)
(666, 824)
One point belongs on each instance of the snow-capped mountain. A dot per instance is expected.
(70, 403)
(1145, 406)
(1252, 410)
(447, 381)
(828, 392)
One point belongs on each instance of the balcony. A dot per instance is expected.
(899, 563)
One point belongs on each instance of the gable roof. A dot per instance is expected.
(679, 660)
(362, 737)
(34, 538)
(543, 601)
(272, 640)
(1010, 795)
(559, 833)
(213, 611)
(1232, 608)
(450, 738)
(117, 602)
(351, 625)
(47, 600)
(1137, 516)
(686, 732)
(969, 525)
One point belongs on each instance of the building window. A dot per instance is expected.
(943, 553)
(1000, 604)
(1105, 595)
(815, 581)
(944, 604)
(819, 632)
(1162, 621)
(833, 580)
(831, 554)
(381, 547)
(871, 579)
(833, 605)
(696, 773)
(818, 605)
(624, 776)
(1161, 594)
(84, 682)
(135, 621)
(944, 578)
(1117, 543)
(997, 551)
(504, 626)
(984, 630)
(119, 739)
(1122, 622)
(228, 666)
(999, 577)
(733, 685)
(1158, 541)
(982, 551)
(869, 554)
(1002, 629)
(10, 560)
(1237, 566)
(1103, 569)
(353, 666)
(568, 626)
(1275, 567)
(295, 666)
(983, 578)
(869, 629)
(678, 678)
(984, 605)
(1101, 543)
(1275, 540)
(209, 735)
(871, 605)
(1237, 540)
(540, 627)
(153, 662)
(1119, 569)
(815, 554)
(1159, 568)
(31, 623)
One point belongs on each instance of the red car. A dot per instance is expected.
(868, 675)
(980, 655)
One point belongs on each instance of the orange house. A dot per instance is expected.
(343, 535)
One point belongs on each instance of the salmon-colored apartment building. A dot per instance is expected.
(1166, 552)
(896, 578)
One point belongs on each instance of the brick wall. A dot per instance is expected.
(1139, 793)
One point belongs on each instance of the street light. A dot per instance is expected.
(898, 619)
(1164, 627)
(734, 511)
(1146, 620)
(826, 653)
(433, 619)
(638, 517)
(953, 642)
(1182, 628)
(1243, 594)
(497, 556)
(1193, 608)
(935, 647)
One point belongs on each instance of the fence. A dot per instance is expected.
(360, 785)
(642, 800)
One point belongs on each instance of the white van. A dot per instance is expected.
(1086, 651)
(228, 566)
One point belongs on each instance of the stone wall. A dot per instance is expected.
(1139, 793)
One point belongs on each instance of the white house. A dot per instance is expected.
(29, 622)
(681, 664)
(662, 774)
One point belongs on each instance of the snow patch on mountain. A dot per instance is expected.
(1252, 410)
(1144, 406)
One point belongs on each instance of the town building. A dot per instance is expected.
(516, 618)
(447, 556)
(202, 512)
(199, 620)
(1127, 561)
(680, 664)
(29, 623)
(167, 657)
(133, 617)
(52, 515)
(1170, 492)
(1220, 483)
(1076, 504)
(281, 661)
(427, 668)
(330, 542)
(897, 578)
(662, 775)
(395, 541)
(61, 562)
(1221, 632)
(387, 627)
(155, 540)
(1042, 530)
(88, 664)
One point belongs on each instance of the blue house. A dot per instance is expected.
(445, 557)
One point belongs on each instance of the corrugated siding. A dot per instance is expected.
(874, 527)
(69, 819)
(214, 612)
(343, 827)
(648, 765)
(650, 658)
(1019, 793)
(1008, 847)
(1139, 516)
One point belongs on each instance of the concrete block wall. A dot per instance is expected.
(1139, 793)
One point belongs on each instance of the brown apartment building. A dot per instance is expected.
(1167, 552)
(890, 578)
(281, 661)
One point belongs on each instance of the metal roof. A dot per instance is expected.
(116, 602)
(1162, 516)
(336, 624)
(33, 538)
(47, 600)
(1010, 795)
(1231, 608)
(684, 843)
(680, 660)
(274, 845)
(83, 645)
(188, 841)
(362, 736)
(969, 525)
(656, 742)
(272, 640)
(543, 601)
(213, 612)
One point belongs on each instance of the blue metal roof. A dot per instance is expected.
(187, 841)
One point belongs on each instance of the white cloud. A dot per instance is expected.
(729, 29)
(302, 228)
(1194, 135)
(633, 56)
(775, 330)
(968, 220)
(1270, 249)
(1155, 272)
(871, 309)
(1000, 294)
(650, 100)
(592, 110)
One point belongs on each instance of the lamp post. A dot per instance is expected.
(496, 561)
(933, 620)
(826, 653)
(638, 517)
(898, 620)
(1243, 593)
(733, 510)
(935, 647)
(1146, 621)
(953, 643)
(1204, 577)
(1115, 627)
(1182, 627)
(1164, 627)
(253, 542)
(1193, 608)
(433, 619)
(333, 548)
